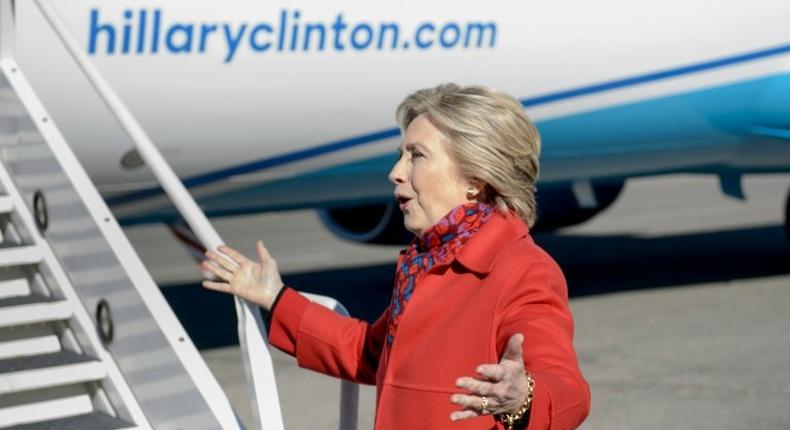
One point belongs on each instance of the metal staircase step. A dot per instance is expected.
(33, 308)
(34, 339)
(48, 370)
(19, 255)
(13, 285)
(92, 421)
(47, 404)
(6, 204)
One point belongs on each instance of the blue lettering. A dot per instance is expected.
(295, 34)
(338, 26)
(455, 37)
(480, 30)
(418, 35)
(233, 41)
(157, 27)
(141, 31)
(127, 32)
(367, 38)
(205, 30)
(95, 29)
(254, 37)
(283, 21)
(186, 42)
(309, 29)
(393, 28)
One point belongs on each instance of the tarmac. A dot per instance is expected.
(680, 297)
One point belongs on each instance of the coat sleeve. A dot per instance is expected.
(535, 303)
(325, 341)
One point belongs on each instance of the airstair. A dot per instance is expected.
(87, 340)
(54, 370)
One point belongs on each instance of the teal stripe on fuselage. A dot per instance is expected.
(701, 119)
(692, 131)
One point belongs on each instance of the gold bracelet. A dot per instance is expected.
(509, 420)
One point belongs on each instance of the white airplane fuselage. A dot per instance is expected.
(271, 105)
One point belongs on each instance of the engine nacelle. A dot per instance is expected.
(377, 223)
(558, 206)
(382, 223)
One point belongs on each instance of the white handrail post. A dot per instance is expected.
(7, 28)
(252, 334)
(349, 391)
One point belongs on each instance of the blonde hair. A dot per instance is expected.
(490, 138)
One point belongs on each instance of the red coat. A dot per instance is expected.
(461, 315)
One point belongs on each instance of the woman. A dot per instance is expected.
(478, 334)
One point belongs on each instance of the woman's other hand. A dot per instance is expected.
(504, 386)
(255, 281)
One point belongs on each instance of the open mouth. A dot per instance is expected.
(402, 201)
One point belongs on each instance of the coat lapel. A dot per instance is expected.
(482, 249)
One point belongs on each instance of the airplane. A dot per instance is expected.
(272, 106)
(263, 106)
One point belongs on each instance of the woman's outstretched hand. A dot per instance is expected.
(504, 386)
(255, 281)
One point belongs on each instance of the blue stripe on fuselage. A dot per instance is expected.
(265, 163)
(709, 129)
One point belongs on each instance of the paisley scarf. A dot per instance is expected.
(438, 245)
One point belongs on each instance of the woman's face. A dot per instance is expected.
(427, 182)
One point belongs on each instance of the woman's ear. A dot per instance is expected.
(475, 190)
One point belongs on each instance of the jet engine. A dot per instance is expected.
(375, 223)
(560, 206)
(382, 223)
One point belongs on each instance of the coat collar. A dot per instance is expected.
(482, 249)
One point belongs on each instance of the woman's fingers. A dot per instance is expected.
(472, 404)
(514, 351)
(493, 372)
(498, 383)
(263, 253)
(234, 255)
(462, 415)
(222, 260)
(217, 286)
(497, 387)
(218, 271)
(475, 403)
(474, 386)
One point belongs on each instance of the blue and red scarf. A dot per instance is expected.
(439, 244)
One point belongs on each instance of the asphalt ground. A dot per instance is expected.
(680, 298)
